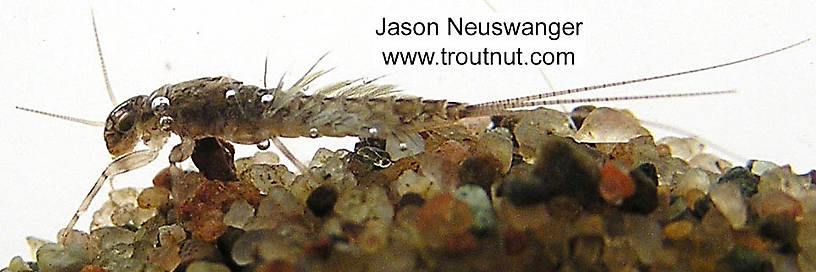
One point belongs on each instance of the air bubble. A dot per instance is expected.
(383, 163)
(313, 133)
(165, 122)
(159, 104)
(230, 94)
(266, 99)
(263, 145)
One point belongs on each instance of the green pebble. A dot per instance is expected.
(481, 209)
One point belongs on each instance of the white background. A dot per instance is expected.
(48, 61)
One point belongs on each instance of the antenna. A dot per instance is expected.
(64, 117)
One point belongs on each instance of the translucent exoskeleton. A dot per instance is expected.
(259, 115)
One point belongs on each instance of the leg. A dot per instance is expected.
(122, 164)
(182, 151)
(110, 182)
(283, 149)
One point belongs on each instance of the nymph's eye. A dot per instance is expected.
(125, 122)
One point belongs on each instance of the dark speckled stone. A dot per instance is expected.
(321, 200)
(563, 168)
(746, 180)
(644, 201)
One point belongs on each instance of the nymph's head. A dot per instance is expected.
(128, 123)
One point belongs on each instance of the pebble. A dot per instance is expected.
(18, 265)
(120, 257)
(209, 201)
(195, 250)
(410, 199)
(321, 200)
(678, 230)
(374, 157)
(481, 209)
(644, 200)
(728, 200)
(806, 239)
(280, 203)
(759, 167)
(590, 225)
(781, 179)
(606, 125)
(275, 266)
(245, 249)
(171, 235)
(124, 196)
(619, 256)
(743, 178)
(452, 151)
(531, 125)
(303, 186)
(694, 179)
(58, 258)
(122, 209)
(202, 266)
(527, 217)
(154, 198)
(394, 259)
(586, 252)
(111, 236)
(683, 148)
(743, 260)
(482, 171)
(373, 237)
(265, 157)
(495, 145)
(580, 113)
(357, 206)
(122, 215)
(677, 207)
(783, 230)
(615, 185)
(776, 202)
(440, 172)
(645, 236)
(441, 219)
(709, 163)
(411, 182)
(701, 204)
(521, 187)
(214, 158)
(514, 241)
(321, 157)
(331, 168)
(184, 184)
(34, 244)
(264, 176)
(562, 168)
(239, 214)
(716, 231)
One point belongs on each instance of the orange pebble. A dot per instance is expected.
(615, 185)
